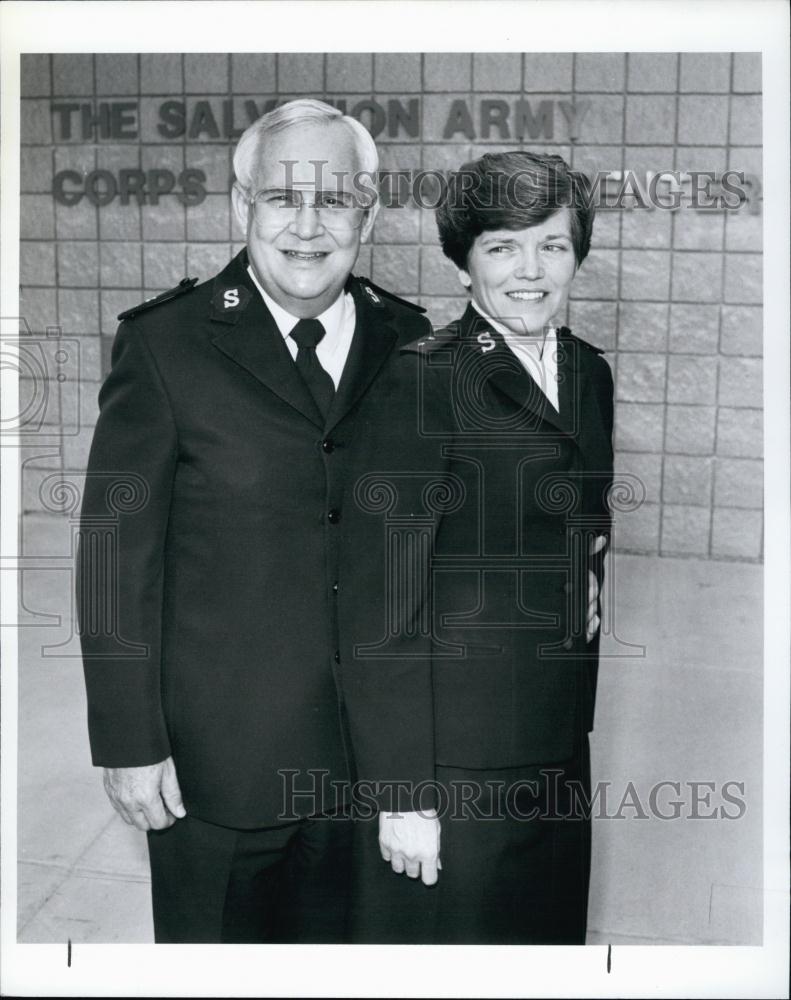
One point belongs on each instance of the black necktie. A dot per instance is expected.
(307, 333)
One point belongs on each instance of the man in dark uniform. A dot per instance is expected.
(229, 586)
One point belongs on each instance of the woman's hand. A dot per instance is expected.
(409, 841)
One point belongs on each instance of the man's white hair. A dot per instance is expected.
(250, 147)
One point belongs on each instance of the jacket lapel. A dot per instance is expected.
(249, 336)
(506, 373)
(572, 383)
(373, 341)
(579, 397)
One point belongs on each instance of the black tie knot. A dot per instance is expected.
(307, 333)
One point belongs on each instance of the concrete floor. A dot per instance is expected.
(690, 709)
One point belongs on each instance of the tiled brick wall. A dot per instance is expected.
(674, 297)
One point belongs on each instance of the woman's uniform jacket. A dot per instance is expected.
(514, 681)
(232, 589)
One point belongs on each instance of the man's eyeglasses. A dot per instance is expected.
(336, 210)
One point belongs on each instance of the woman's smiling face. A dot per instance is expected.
(521, 277)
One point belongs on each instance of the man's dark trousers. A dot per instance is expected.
(282, 884)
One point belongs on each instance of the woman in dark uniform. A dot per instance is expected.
(519, 563)
(527, 418)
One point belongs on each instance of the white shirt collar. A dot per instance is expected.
(537, 355)
(331, 319)
(535, 340)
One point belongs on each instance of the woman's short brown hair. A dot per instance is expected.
(512, 191)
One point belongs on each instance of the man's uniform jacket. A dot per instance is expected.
(513, 679)
(232, 566)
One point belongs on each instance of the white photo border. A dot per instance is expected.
(489, 25)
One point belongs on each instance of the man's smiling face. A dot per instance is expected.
(301, 263)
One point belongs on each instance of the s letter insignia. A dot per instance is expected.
(486, 342)
(228, 304)
(372, 295)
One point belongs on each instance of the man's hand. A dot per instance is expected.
(410, 842)
(146, 797)
(592, 620)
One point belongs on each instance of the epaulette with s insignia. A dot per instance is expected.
(376, 295)
(185, 285)
(564, 331)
